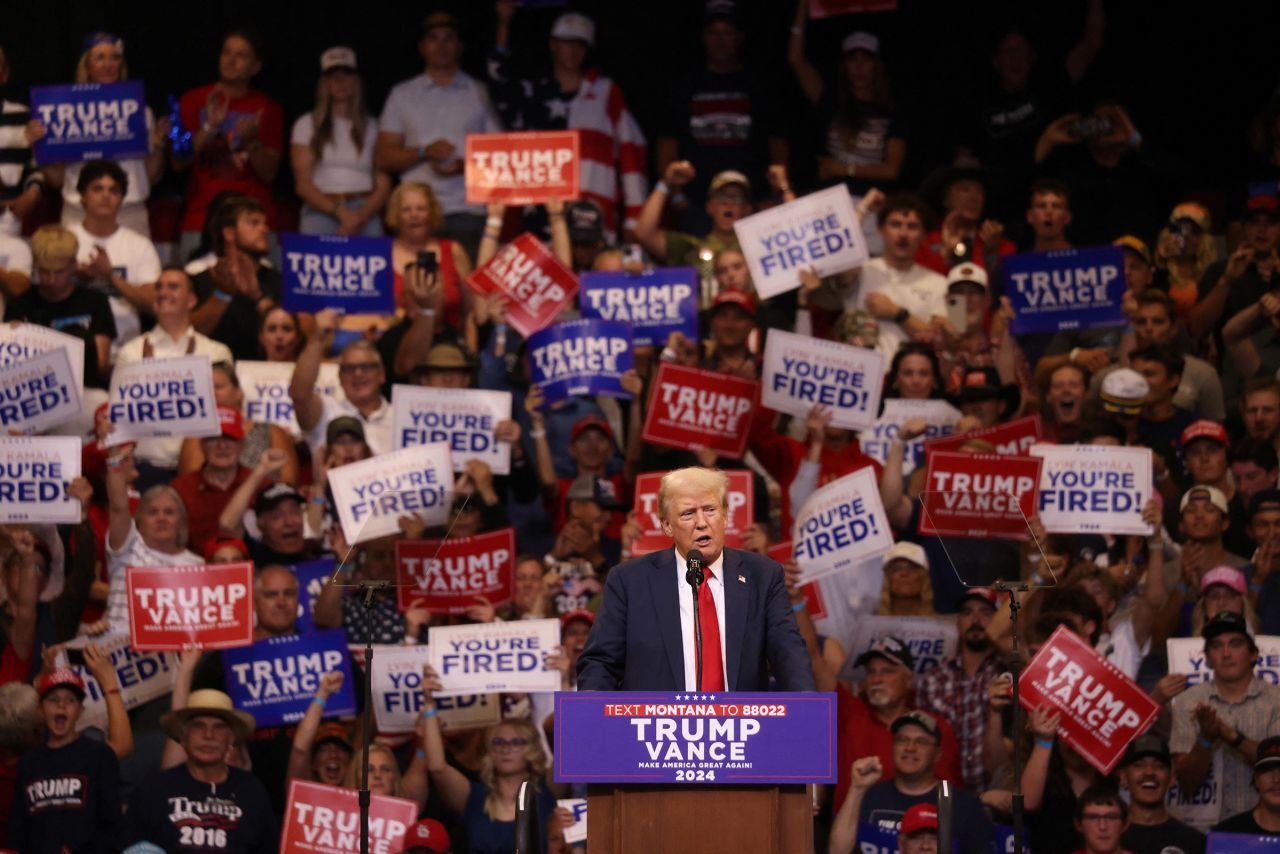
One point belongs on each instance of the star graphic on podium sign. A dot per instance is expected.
(712, 698)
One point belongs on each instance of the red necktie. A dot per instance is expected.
(712, 664)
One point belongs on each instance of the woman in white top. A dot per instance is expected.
(332, 154)
(102, 61)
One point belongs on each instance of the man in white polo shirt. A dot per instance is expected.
(361, 375)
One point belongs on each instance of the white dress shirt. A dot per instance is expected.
(715, 582)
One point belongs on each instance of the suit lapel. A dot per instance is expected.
(664, 585)
(735, 614)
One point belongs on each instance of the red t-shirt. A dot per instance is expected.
(224, 162)
(204, 503)
(931, 253)
(861, 733)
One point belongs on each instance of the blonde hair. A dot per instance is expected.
(926, 594)
(435, 215)
(82, 66)
(322, 117)
(19, 716)
(692, 479)
(534, 756)
(351, 779)
(53, 246)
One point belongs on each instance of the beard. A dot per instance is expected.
(975, 642)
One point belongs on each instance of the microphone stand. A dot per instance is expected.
(694, 576)
(1015, 665)
(368, 588)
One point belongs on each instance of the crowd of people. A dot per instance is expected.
(1191, 374)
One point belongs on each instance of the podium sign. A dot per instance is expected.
(718, 738)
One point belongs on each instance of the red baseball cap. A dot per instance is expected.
(429, 834)
(741, 299)
(1205, 429)
(986, 594)
(592, 421)
(62, 677)
(231, 422)
(919, 817)
(215, 543)
(587, 616)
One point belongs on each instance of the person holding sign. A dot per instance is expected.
(361, 375)
(513, 755)
(102, 61)
(747, 619)
(1228, 716)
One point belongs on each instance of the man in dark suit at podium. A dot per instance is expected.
(643, 637)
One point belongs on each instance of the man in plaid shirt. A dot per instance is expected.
(957, 689)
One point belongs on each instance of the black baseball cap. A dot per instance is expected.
(271, 497)
(1223, 623)
(1147, 744)
(1268, 755)
(918, 718)
(889, 648)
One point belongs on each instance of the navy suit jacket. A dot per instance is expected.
(635, 643)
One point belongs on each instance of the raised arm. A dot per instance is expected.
(864, 774)
(119, 730)
(806, 75)
(452, 784)
(307, 405)
(542, 449)
(304, 737)
(231, 521)
(892, 484)
(120, 473)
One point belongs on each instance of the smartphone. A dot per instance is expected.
(633, 255)
(75, 657)
(427, 261)
(958, 312)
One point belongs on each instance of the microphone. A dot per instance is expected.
(693, 575)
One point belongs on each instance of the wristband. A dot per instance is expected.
(661, 187)
(1046, 743)
(1182, 588)
(222, 295)
(494, 222)
(426, 312)
(430, 713)
(1255, 587)
(112, 691)
(538, 434)
(421, 754)
(1204, 742)
(319, 701)
(798, 607)
(318, 499)
(1135, 139)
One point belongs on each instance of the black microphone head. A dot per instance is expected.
(694, 556)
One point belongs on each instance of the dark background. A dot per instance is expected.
(1195, 76)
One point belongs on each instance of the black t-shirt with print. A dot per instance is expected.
(1171, 837)
(181, 814)
(66, 798)
(83, 314)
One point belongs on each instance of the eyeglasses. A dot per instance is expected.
(1100, 817)
(504, 743)
(357, 367)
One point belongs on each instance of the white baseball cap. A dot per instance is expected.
(861, 40)
(338, 57)
(904, 550)
(967, 272)
(574, 27)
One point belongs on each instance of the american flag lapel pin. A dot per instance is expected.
(742, 579)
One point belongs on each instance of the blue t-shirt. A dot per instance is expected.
(486, 836)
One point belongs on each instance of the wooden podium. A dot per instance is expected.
(626, 819)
